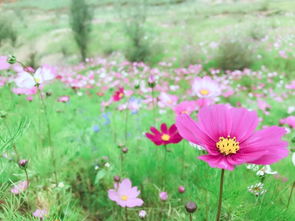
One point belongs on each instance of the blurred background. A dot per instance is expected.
(223, 34)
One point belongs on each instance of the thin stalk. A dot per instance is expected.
(153, 102)
(126, 121)
(190, 217)
(49, 136)
(27, 176)
(291, 193)
(165, 166)
(126, 214)
(220, 195)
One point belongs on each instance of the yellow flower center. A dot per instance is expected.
(124, 197)
(204, 92)
(121, 95)
(184, 112)
(165, 137)
(227, 145)
(37, 80)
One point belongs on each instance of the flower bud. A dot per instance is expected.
(117, 179)
(23, 163)
(11, 59)
(3, 114)
(125, 150)
(181, 189)
(191, 207)
(152, 81)
(29, 70)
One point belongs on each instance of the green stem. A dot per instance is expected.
(153, 102)
(220, 195)
(291, 193)
(27, 176)
(49, 136)
(190, 217)
(126, 214)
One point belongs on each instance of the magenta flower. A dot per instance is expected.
(165, 136)
(125, 195)
(118, 95)
(229, 136)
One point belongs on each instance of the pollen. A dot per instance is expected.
(227, 145)
(204, 92)
(124, 197)
(165, 137)
(121, 95)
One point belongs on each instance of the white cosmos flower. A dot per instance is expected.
(205, 87)
(265, 170)
(27, 80)
(293, 158)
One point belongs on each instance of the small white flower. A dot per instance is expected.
(265, 170)
(142, 214)
(107, 165)
(96, 167)
(293, 158)
(257, 189)
(252, 167)
(61, 185)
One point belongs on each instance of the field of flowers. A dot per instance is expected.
(194, 136)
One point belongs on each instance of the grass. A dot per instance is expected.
(87, 160)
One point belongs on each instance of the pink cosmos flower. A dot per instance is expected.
(4, 65)
(291, 85)
(19, 187)
(262, 105)
(203, 102)
(40, 213)
(163, 196)
(229, 136)
(125, 195)
(205, 87)
(63, 99)
(167, 100)
(165, 136)
(289, 121)
(185, 107)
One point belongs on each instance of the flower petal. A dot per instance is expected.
(216, 121)
(217, 161)
(190, 131)
(270, 140)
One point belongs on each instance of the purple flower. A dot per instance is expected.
(40, 213)
(125, 195)
(163, 196)
(20, 187)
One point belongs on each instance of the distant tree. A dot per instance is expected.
(80, 20)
